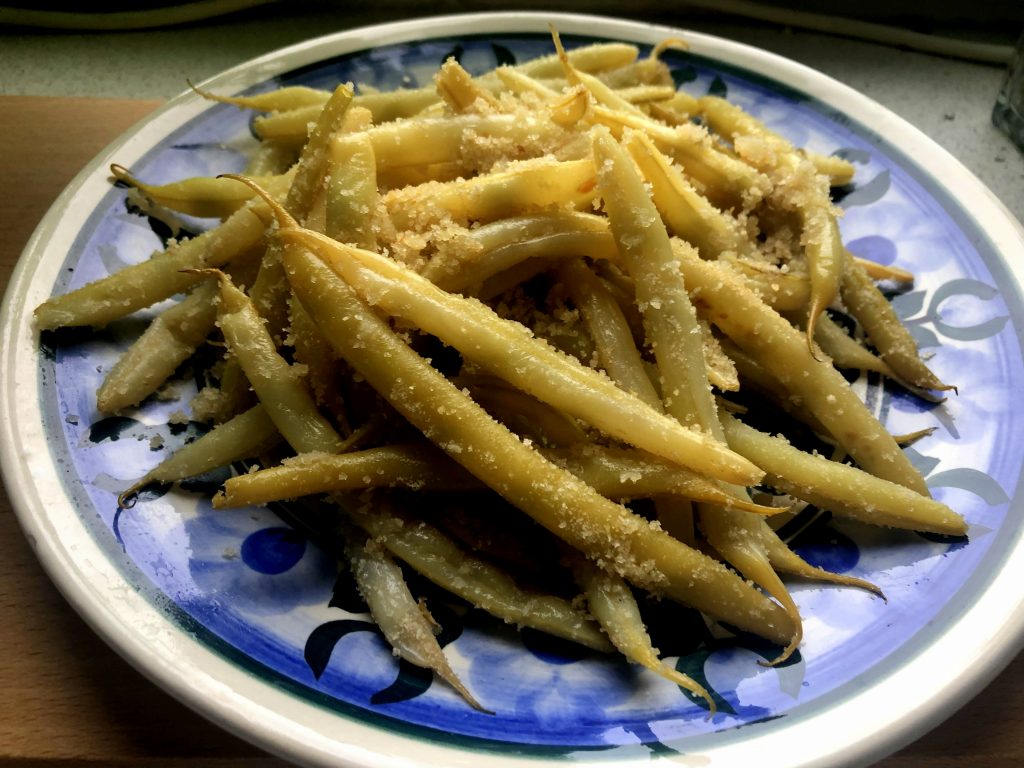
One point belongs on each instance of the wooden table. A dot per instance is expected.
(67, 700)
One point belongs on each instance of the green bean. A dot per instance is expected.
(492, 248)
(824, 252)
(323, 370)
(646, 94)
(403, 103)
(167, 342)
(841, 488)
(798, 186)
(289, 128)
(878, 271)
(529, 187)
(248, 434)
(280, 99)
(742, 540)
(876, 315)
(602, 93)
(675, 111)
(622, 473)
(613, 473)
(200, 196)
(351, 190)
(649, 258)
(787, 291)
(404, 622)
(519, 82)
(509, 351)
(686, 212)
(270, 158)
(523, 414)
(278, 385)
(607, 532)
(164, 274)
(270, 291)
(772, 341)
(847, 352)
(456, 88)
(838, 170)
(727, 182)
(483, 584)
(397, 466)
(613, 605)
(596, 58)
(519, 273)
(609, 329)
(758, 379)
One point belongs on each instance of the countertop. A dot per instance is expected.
(68, 699)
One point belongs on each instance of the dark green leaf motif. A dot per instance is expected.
(908, 306)
(965, 287)
(693, 666)
(455, 53)
(412, 681)
(115, 427)
(649, 738)
(856, 194)
(503, 56)
(683, 75)
(923, 464)
(164, 224)
(861, 156)
(865, 194)
(322, 640)
(924, 338)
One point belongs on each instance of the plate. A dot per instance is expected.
(245, 621)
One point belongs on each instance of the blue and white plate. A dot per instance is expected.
(242, 618)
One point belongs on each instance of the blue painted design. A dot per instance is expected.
(503, 56)
(551, 649)
(971, 480)
(875, 248)
(115, 528)
(273, 550)
(683, 75)
(826, 548)
(412, 681)
(237, 587)
(322, 640)
(718, 88)
(647, 736)
(220, 574)
(865, 193)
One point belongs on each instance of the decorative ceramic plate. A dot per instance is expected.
(242, 618)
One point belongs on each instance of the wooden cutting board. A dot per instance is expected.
(68, 700)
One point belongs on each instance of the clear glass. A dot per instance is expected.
(1008, 113)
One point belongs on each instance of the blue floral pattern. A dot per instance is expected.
(262, 589)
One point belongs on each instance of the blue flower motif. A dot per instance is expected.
(273, 550)
(545, 686)
(248, 559)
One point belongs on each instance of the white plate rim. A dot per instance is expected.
(301, 731)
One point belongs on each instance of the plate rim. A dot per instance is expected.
(299, 740)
